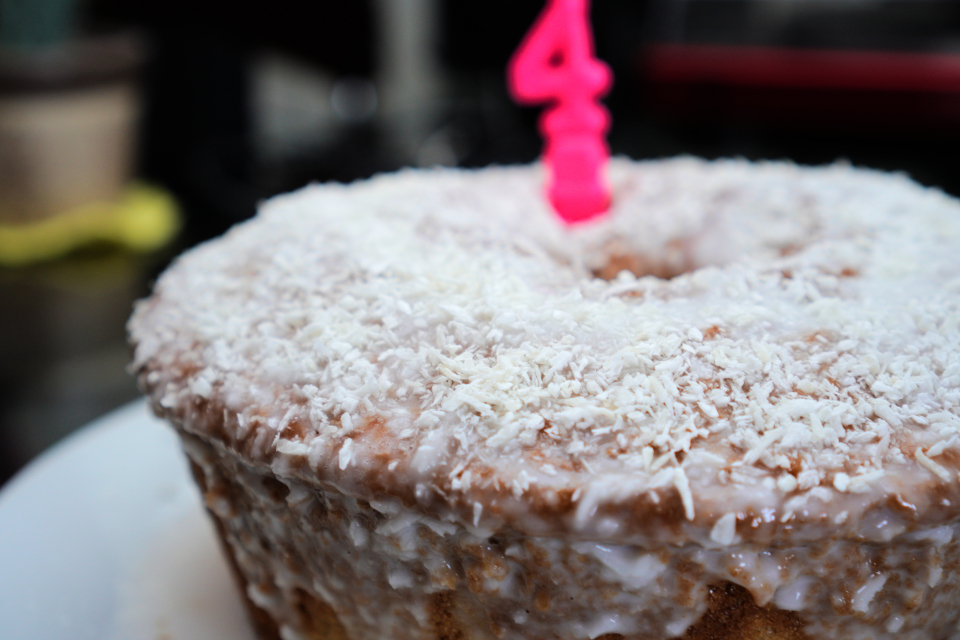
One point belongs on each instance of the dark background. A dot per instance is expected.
(242, 101)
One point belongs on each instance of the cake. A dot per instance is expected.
(420, 408)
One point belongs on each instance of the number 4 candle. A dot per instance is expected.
(555, 65)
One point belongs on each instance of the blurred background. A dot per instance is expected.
(130, 131)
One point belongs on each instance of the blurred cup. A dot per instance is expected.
(68, 123)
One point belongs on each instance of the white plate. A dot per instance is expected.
(104, 538)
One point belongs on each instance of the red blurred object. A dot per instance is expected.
(911, 90)
(555, 65)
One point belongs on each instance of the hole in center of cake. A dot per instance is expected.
(675, 260)
(640, 266)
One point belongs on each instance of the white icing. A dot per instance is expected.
(865, 594)
(841, 589)
(792, 596)
(436, 341)
(453, 307)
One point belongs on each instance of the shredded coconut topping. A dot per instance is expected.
(807, 346)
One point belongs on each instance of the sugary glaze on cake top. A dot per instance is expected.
(438, 336)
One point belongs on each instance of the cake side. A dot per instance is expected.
(325, 566)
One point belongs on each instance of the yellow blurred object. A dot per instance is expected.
(146, 218)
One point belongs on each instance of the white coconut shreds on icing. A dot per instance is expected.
(810, 348)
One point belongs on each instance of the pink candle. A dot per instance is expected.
(555, 65)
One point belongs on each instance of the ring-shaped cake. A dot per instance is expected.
(419, 407)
